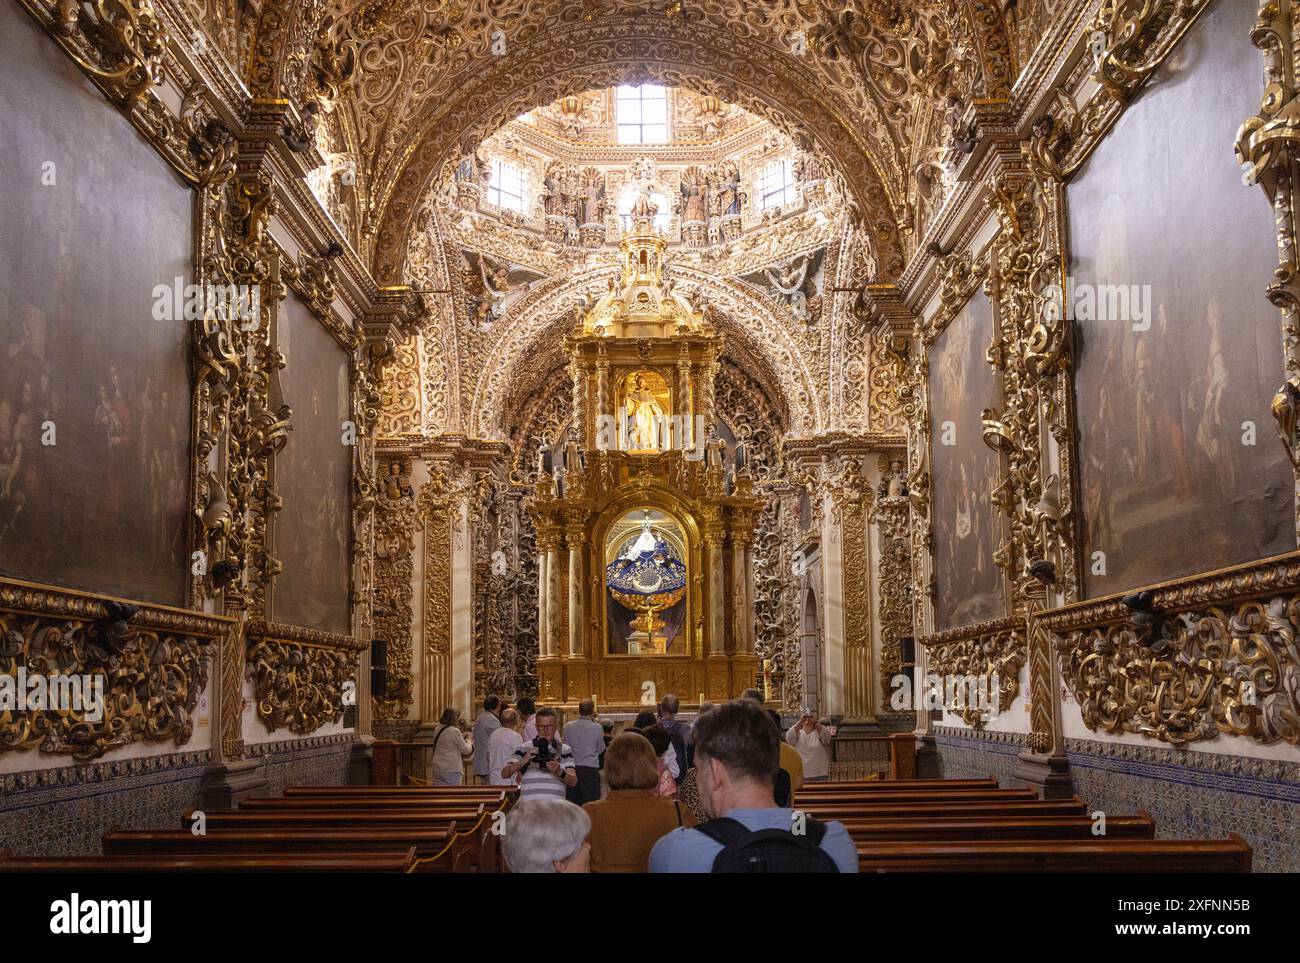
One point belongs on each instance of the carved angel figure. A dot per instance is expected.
(497, 285)
(788, 283)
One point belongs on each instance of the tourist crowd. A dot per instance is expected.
(663, 796)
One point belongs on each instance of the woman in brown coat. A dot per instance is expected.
(627, 823)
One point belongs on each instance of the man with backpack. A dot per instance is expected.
(736, 752)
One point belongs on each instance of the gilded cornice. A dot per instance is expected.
(975, 630)
(30, 598)
(1222, 587)
(259, 630)
(150, 662)
(1128, 43)
(836, 443)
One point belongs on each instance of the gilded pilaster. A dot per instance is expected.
(436, 504)
(714, 539)
(574, 540)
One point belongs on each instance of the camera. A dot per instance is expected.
(543, 747)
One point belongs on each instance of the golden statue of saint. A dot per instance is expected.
(644, 415)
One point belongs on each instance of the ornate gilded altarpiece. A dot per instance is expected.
(644, 442)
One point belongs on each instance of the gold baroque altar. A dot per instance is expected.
(644, 517)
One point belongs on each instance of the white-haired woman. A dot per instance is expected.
(547, 836)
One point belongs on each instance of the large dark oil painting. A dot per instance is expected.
(94, 391)
(1180, 352)
(966, 525)
(312, 532)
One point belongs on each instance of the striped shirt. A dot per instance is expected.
(537, 781)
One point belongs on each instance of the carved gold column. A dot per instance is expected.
(543, 623)
(738, 593)
(603, 407)
(554, 596)
(747, 602)
(710, 375)
(713, 540)
(574, 539)
(397, 518)
(578, 416)
(893, 568)
(435, 687)
(742, 565)
(1037, 552)
(687, 440)
(851, 506)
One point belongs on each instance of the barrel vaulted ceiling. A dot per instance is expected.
(406, 88)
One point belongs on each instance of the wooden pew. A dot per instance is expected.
(922, 810)
(997, 827)
(1230, 855)
(147, 842)
(849, 799)
(342, 819)
(897, 785)
(448, 833)
(325, 803)
(397, 792)
(397, 861)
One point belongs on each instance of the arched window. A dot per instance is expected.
(506, 187)
(776, 186)
(642, 114)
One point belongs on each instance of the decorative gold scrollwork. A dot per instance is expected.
(126, 37)
(1286, 412)
(300, 677)
(150, 665)
(1129, 40)
(987, 651)
(1188, 660)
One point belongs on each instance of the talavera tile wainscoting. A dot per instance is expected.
(1188, 794)
(65, 812)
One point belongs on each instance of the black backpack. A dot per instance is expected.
(768, 850)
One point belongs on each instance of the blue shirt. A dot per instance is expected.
(690, 851)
